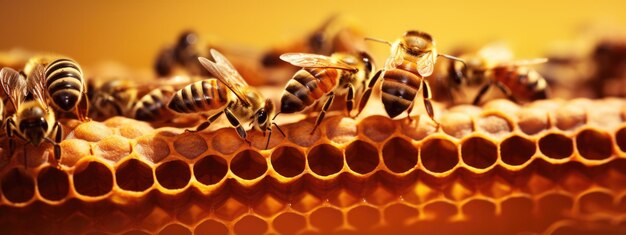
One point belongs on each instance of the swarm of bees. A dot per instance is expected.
(322, 69)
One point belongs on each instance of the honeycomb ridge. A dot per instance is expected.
(565, 151)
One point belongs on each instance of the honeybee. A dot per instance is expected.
(324, 76)
(184, 54)
(241, 104)
(494, 65)
(32, 121)
(63, 85)
(113, 98)
(151, 107)
(412, 59)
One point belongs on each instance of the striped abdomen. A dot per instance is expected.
(64, 82)
(399, 87)
(152, 106)
(200, 96)
(307, 86)
(525, 83)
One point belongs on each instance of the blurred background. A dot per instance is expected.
(133, 32)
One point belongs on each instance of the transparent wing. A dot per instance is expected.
(530, 62)
(228, 68)
(315, 61)
(426, 63)
(223, 71)
(496, 53)
(397, 55)
(36, 84)
(14, 86)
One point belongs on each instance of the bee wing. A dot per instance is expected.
(36, 84)
(496, 53)
(14, 86)
(224, 71)
(426, 63)
(314, 61)
(530, 62)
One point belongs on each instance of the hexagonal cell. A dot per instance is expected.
(173, 174)
(210, 169)
(113, 147)
(136, 232)
(152, 148)
(554, 206)
(532, 120)
(296, 134)
(175, 229)
(620, 139)
(399, 155)
(596, 202)
(362, 157)
(325, 160)
(72, 150)
(399, 214)
(251, 224)
(494, 124)
(134, 175)
(479, 152)
(190, 145)
(570, 116)
(363, 217)
(516, 150)
(341, 130)
(556, 146)
(248, 165)
(227, 141)
(288, 161)
(377, 128)
(53, 184)
(94, 180)
(211, 227)
(18, 186)
(326, 219)
(479, 209)
(91, 131)
(439, 155)
(594, 145)
(457, 124)
(289, 223)
(440, 210)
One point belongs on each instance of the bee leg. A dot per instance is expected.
(58, 137)
(270, 134)
(368, 91)
(506, 91)
(329, 101)
(206, 123)
(427, 104)
(482, 92)
(408, 112)
(10, 127)
(235, 122)
(350, 99)
(82, 111)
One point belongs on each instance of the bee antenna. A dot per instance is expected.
(377, 40)
(275, 116)
(279, 130)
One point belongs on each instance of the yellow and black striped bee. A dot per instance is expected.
(33, 121)
(113, 98)
(412, 59)
(232, 97)
(494, 65)
(325, 76)
(152, 107)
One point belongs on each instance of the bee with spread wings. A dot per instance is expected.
(33, 121)
(325, 76)
(229, 94)
(412, 59)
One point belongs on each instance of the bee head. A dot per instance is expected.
(262, 116)
(417, 42)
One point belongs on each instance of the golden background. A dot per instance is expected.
(132, 32)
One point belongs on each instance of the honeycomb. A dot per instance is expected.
(552, 166)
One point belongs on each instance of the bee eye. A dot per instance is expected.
(262, 117)
(43, 123)
(367, 59)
